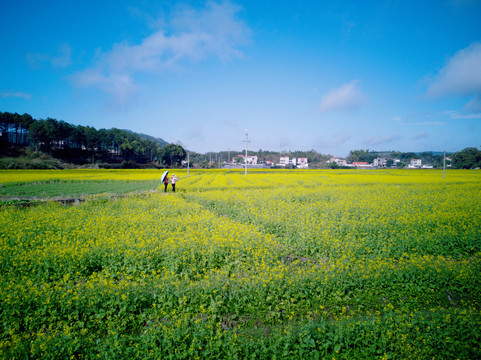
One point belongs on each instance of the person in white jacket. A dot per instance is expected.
(173, 180)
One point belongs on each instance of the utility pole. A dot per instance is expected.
(188, 164)
(444, 165)
(228, 158)
(247, 140)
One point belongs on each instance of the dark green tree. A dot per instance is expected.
(171, 155)
(361, 156)
(468, 158)
(39, 133)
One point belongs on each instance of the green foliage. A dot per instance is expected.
(43, 162)
(361, 156)
(56, 188)
(77, 144)
(468, 158)
(171, 155)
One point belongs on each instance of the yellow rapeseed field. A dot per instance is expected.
(275, 264)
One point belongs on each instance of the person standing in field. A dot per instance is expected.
(166, 182)
(173, 181)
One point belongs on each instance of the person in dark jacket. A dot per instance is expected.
(166, 182)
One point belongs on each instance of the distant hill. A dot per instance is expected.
(159, 141)
(433, 153)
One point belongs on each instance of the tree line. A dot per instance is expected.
(468, 158)
(84, 144)
(79, 144)
(404, 157)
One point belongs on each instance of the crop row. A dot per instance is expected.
(305, 264)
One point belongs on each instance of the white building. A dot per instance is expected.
(362, 165)
(302, 163)
(284, 160)
(379, 162)
(415, 163)
(251, 160)
(293, 162)
(339, 161)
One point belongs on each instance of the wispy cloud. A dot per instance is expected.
(334, 141)
(461, 76)
(376, 140)
(401, 121)
(191, 35)
(456, 115)
(347, 97)
(421, 135)
(15, 94)
(60, 60)
(474, 104)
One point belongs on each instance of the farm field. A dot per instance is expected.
(298, 264)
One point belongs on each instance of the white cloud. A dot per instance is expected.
(119, 85)
(61, 60)
(338, 140)
(373, 140)
(461, 76)
(334, 141)
(474, 104)
(15, 94)
(348, 97)
(425, 123)
(401, 121)
(456, 115)
(421, 135)
(191, 35)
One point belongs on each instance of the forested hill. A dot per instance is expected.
(76, 144)
(159, 141)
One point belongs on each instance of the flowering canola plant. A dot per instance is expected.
(294, 264)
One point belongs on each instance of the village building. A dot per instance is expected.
(283, 161)
(251, 159)
(362, 165)
(415, 164)
(302, 163)
(379, 162)
(338, 161)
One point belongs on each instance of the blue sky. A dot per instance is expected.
(332, 76)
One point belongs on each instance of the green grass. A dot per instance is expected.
(50, 189)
